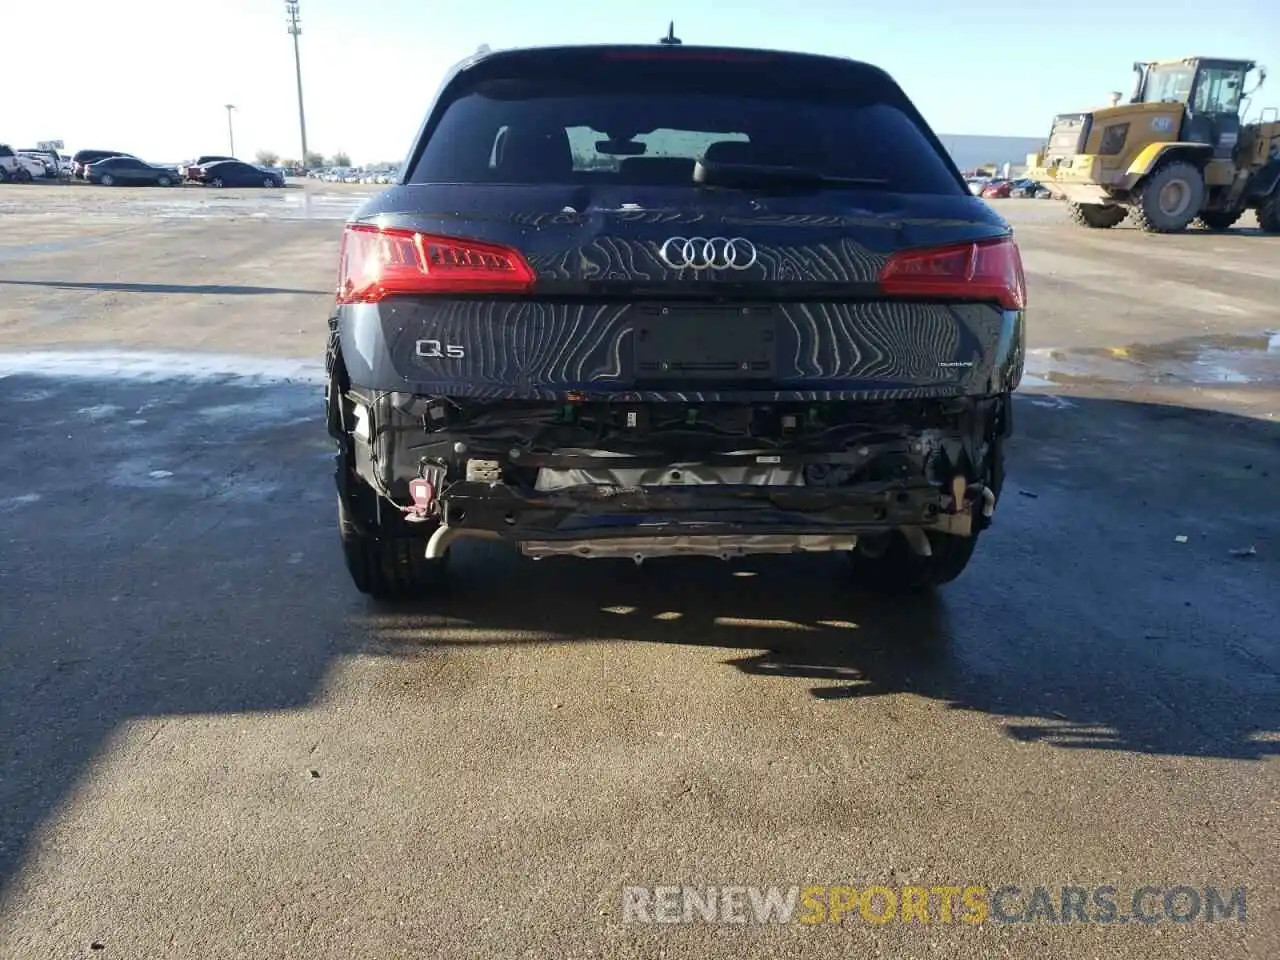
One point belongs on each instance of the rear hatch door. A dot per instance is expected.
(642, 239)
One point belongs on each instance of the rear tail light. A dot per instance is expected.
(988, 270)
(379, 262)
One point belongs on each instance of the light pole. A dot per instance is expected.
(231, 134)
(295, 30)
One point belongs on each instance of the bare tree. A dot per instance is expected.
(340, 159)
(267, 158)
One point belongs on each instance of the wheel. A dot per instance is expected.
(22, 175)
(385, 555)
(1268, 214)
(386, 559)
(1095, 215)
(216, 182)
(1169, 199)
(163, 182)
(107, 180)
(268, 182)
(335, 385)
(889, 564)
(4, 175)
(1217, 219)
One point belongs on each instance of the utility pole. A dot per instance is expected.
(231, 134)
(295, 30)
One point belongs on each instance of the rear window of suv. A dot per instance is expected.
(635, 121)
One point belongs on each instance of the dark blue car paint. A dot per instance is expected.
(893, 401)
(595, 259)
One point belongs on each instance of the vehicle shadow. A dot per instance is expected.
(1237, 230)
(169, 551)
(1083, 621)
(185, 289)
(181, 580)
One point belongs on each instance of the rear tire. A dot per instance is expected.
(1217, 219)
(1096, 215)
(1268, 214)
(385, 556)
(107, 180)
(896, 568)
(899, 569)
(386, 562)
(1169, 199)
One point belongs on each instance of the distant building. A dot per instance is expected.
(970, 151)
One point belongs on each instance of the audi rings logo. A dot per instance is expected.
(716, 253)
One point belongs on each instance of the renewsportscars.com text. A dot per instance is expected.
(839, 903)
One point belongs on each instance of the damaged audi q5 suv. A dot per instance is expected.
(632, 302)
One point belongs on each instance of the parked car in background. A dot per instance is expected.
(188, 169)
(82, 158)
(47, 159)
(1029, 189)
(997, 190)
(132, 172)
(17, 167)
(235, 173)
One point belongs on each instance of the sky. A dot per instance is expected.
(152, 77)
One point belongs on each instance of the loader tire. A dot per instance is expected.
(1217, 219)
(1095, 215)
(1268, 214)
(1169, 199)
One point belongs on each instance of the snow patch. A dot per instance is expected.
(99, 411)
(157, 367)
(34, 396)
(21, 500)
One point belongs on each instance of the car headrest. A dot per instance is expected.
(732, 151)
(659, 171)
(535, 154)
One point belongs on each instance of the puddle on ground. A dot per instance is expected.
(1202, 361)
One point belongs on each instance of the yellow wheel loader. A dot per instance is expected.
(1177, 153)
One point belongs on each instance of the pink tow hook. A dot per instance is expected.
(423, 493)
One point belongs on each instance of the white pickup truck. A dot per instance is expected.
(17, 168)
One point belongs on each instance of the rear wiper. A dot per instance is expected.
(749, 175)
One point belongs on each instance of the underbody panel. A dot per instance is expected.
(678, 478)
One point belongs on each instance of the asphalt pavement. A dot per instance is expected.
(211, 745)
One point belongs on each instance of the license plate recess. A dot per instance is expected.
(689, 343)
